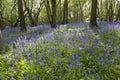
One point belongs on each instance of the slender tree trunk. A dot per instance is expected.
(1, 16)
(1, 43)
(65, 12)
(29, 13)
(118, 14)
(101, 10)
(93, 18)
(53, 17)
(107, 10)
(48, 10)
(110, 10)
(61, 15)
(81, 12)
(21, 15)
(51, 12)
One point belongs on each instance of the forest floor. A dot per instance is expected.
(11, 34)
(70, 52)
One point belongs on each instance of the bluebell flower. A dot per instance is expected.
(57, 54)
(37, 59)
(71, 66)
(77, 64)
(91, 50)
(107, 54)
(81, 38)
(111, 60)
(119, 49)
(24, 79)
(50, 49)
(36, 77)
(89, 71)
(28, 56)
(96, 41)
(100, 60)
(15, 54)
(76, 56)
(58, 63)
(67, 37)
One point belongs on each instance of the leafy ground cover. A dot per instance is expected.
(70, 52)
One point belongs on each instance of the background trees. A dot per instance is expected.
(57, 11)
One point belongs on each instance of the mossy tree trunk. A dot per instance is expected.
(65, 12)
(1, 43)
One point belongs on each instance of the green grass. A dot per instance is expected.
(73, 53)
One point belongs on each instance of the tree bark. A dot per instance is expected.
(110, 10)
(53, 25)
(118, 14)
(1, 16)
(65, 12)
(51, 12)
(93, 18)
(21, 15)
(1, 43)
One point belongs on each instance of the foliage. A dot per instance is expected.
(68, 52)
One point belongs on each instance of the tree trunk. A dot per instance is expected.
(51, 12)
(107, 10)
(110, 11)
(29, 13)
(93, 18)
(1, 43)
(118, 14)
(101, 10)
(65, 12)
(60, 12)
(21, 15)
(1, 16)
(53, 17)
(81, 12)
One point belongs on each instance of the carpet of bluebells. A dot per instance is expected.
(70, 52)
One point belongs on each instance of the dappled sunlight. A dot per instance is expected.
(66, 48)
(59, 40)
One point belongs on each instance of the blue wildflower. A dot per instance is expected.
(76, 56)
(100, 60)
(24, 79)
(37, 59)
(58, 63)
(57, 54)
(91, 50)
(107, 54)
(15, 56)
(96, 41)
(28, 56)
(81, 38)
(36, 77)
(50, 49)
(77, 64)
